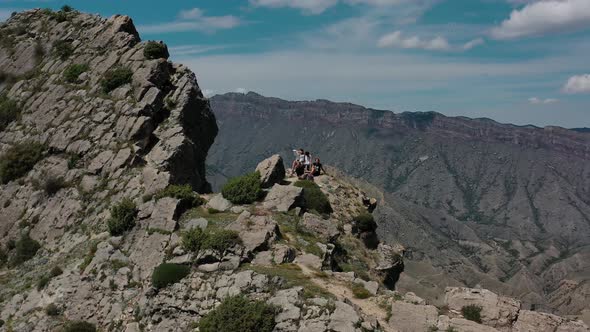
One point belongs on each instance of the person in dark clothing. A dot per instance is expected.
(317, 168)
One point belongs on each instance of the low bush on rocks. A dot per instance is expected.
(222, 239)
(53, 185)
(3, 257)
(26, 248)
(167, 274)
(43, 282)
(155, 50)
(62, 49)
(237, 313)
(359, 291)
(193, 239)
(73, 72)
(184, 193)
(123, 217)
(218, 240)
(315, 199)
(9, 111)
(79, 326)
(245, 189)
(56, 271)
(472, 312)
(364, 222)
(19, 160)
(52, 310)
(115, 78)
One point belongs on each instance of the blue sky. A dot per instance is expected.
(517, 61)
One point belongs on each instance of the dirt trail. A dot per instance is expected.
(342, 291)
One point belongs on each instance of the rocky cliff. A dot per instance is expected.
(475, 202)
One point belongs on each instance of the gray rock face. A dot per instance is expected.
(130, 142)
(325, 229)
(497, 311)
(283, 198)
(272, 171)
(257, 232)
(407, 317)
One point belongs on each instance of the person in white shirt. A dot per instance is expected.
(299, 160)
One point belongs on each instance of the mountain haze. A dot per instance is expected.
(476, 202)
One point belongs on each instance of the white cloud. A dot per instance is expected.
(315, 7)
(193, 20)
(241, 90)
(395, 39)
(544, 17)
(184, 50)
(577, 84)
(308, 6)
(536, 101)
(473, 43)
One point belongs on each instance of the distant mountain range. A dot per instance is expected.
(582, 130)
(476, 202)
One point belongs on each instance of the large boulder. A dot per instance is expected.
(497, 311)
(536, 321)
(324, 229)
(219, 203)
(283, 198)
(272, 171)
(407, 317)
(258, 233)
(390, 264)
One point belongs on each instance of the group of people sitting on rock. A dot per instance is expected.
(303, 166)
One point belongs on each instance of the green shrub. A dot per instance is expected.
(122, 217)
(472, 312)
(222, 239)
(67, 9)
(42, 282)
(167, 274)
(155, 50)
(62, 49)
(193, 239)
(115, 78)
(184, 193)
(26, 248)
(364, 222)
(3, 257)
(244, 189)
(19, 160)
(1, 322)
(359, 291)
(56, 271)
(315, 199)
(52, 310)
(237, 313)
(53, 184)
(73, 72)
(219, 240)
(79, 326)
(9, 111)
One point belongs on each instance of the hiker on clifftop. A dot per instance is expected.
(299, 161)
(317, 168)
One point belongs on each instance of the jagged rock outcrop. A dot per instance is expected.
(272, 170)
